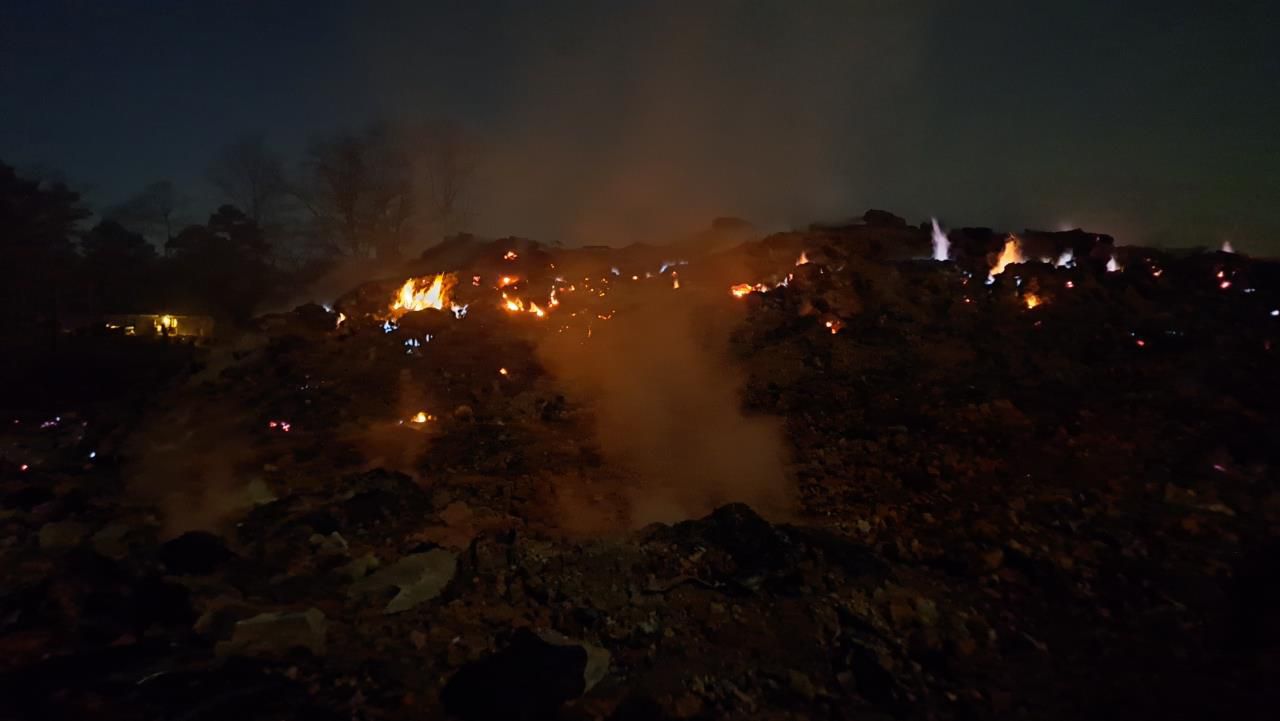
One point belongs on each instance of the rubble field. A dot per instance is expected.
(1034, 480)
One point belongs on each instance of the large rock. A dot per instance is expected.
(277, 633)
(417, 577)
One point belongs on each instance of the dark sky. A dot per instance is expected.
(616, 121)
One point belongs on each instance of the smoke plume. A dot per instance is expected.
(667, 405)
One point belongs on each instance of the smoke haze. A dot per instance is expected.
(667, 407)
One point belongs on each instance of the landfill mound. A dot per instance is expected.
(819, 474)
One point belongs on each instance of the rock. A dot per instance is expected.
(418, 577)
(530, 678)
(195, 553)
(110, 541)
(62, 535)
(360, 567)
(331, 545)
(275, 634)
(801, 685)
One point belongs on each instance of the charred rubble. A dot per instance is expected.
(1045, 494)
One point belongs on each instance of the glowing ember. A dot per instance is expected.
(422, 417)
(834, 325)
(24, 467)
(281, 425)
(503, 371)
(675, 281)
(510, 255)
(1070, 284)
(423, 293)
(941, 244)
(1032, 300)
(1224, 284)
(1011, 253)
(507, 280)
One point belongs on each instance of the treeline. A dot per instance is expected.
(276, 223)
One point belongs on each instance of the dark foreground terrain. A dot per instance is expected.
(1050, 497)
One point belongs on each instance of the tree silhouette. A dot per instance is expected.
(37, 223)
(151, 212)
(118, 264)
(251, 176)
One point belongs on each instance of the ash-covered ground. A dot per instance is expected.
(804, 476)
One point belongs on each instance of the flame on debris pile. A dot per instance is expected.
(1032, 300)
(422, 293)
(1011, 253)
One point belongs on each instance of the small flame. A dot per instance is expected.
(941, 243)
(1226, 247)
(1067, 258)
(342, 318)
(803, 259)
(1011, 253)
(420, 294)
(1113, 266)
(503, 371)
(510, 255)
(1032, 300)
(834, 325)
(675, 281)
(507, 280)
(422, 417)
(742, 290)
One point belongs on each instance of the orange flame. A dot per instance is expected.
(1032, 300)
(1011, 253)
(421, 293)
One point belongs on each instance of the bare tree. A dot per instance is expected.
(358, 189)
(152, 212)
(445, 161)
(251, 176)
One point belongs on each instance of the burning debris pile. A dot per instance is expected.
(859, 470)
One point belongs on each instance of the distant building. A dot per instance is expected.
(161, 324)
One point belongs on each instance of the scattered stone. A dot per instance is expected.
(418, 577)
(277, 633)
(62, 535)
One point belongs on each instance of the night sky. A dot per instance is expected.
(609, 122)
